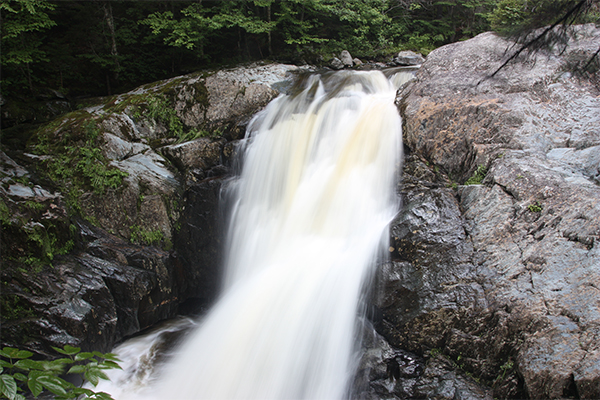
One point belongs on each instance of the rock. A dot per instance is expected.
(203, 153)
(336, 63)
(357, 61)
(501, 274)
(408, 58)
(346, 58)
(441, 381)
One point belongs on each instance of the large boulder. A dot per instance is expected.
(110, 213)
(501, 275)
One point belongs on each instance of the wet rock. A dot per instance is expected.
(336, 63)
(408, 58)
(346, 58)
(440, 381)
(501, 276)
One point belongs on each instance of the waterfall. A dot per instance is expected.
(308, 221)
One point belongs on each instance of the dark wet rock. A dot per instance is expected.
(499, 277)
(385, 372)
(441, 381)
(336, 63)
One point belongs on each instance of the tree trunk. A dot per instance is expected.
(110, 22)
(269, 32)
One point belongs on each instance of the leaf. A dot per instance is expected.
(80, 391)
(6, 364)
(92, 377)
(83, 356)
(29, 364)
(64, 361)
(8, 386)
(53, 366)
(20, 377)
(103, 396)
(76, 369)
(110, 365)
(35, 387)
(11, 352)
(68, 350)
(54, 384)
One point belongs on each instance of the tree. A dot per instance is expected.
(542, 24)
(22, 22)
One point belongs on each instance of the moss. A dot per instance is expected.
(140, 235)
(76, 163)
(478, 176)
(14, 308)
(535, 207)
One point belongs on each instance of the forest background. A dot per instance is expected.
(97, 48)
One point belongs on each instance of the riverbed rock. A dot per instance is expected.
(408, 57)
(346, 58)
(501, 276)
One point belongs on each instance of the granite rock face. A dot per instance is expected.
(501, 276)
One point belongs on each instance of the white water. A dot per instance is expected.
(309, 221)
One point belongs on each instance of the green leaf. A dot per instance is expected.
(110, 365)
(103, 396)
(29, 364)
(15, 353)
(80, 391)
(20, 377)
(68, 350)
(83, 356)
(92, 377)
(5, 364)
(54, 366)
(54, 384)
(8, 386)
(76, 369)
(35, 387)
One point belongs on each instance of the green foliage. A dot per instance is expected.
(21, 18)
(506, 367)
(14, 308)
(77, 162)
(4, 213)
(141, 235)
(160, 109)
(516, 16)
(535, 207)
(21, 375)
(478, 176)
(22, 23)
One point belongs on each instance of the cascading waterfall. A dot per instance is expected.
(308, 222)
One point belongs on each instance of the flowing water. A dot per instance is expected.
(308, 222)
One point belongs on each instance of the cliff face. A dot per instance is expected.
(110, 213)
(501, 277)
